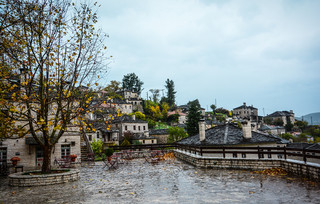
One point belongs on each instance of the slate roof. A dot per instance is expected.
(279, 114)
(229, 134)
(304, 145)
(244, 106)
(141, 136)
(268, 127)
(158, 132)
(127, 119)
(102, 126)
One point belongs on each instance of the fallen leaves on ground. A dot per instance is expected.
(273, 172)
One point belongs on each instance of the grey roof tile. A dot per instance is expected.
(229, 134)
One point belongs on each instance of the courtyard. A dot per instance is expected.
(170, 181)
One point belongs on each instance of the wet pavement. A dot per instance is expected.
(166, 182)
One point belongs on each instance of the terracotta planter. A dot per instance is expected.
(14, 162)
(109, 159)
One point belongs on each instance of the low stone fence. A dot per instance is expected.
(308, 170)
(19, 179)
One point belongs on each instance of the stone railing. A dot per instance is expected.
(296, 167)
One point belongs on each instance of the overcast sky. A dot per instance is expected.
(265, 53)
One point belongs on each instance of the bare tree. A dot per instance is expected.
(51, 56)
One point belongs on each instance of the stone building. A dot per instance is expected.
(130, 124)
(229, 135)
(132, 98)
(161, 135)
(102, 132)
(272, 129)
(140, 138)
(245, 111)
(284, 116)
(31, 154)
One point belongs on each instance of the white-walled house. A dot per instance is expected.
(130, 124)
(31, 154)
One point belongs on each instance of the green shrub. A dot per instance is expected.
(97, 146)
(109, 152)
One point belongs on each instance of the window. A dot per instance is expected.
(144, 127)
(65, 151)
(152, 141)
(3, 155)
(235, 155)
(90, 137)
(143, 141)
(244, 155)
(98, 136)
(134, 127)
(139, 128)
(125, 127)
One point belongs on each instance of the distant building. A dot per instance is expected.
(274, 130)
(285, 116)
(130, 124)
(161, 135)
(132, 98)
(245, 111)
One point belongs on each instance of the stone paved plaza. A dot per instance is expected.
(166, 182)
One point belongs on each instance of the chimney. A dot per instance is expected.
(244, 104)
(202, 130)
(133, 117)
(246, 129)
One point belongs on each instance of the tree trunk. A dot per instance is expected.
(46, 166)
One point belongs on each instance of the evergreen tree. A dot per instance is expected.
(131, 82)
(171, 98)
(193, 117)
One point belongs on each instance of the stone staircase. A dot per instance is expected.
(85, 149)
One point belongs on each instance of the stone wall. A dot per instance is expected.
(18, 179)
(27, 153)
(292, 166)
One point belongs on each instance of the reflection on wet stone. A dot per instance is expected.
(174, 182)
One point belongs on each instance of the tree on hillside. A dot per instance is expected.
(132, 83)
(301, 124)
(176, 134)
(222, 110)
(195, 102)
(53, 53)
(113, 88)
(289, 126)
(213, 107)
(278, 122)
(171, 98)
(155, 95)
(193, 117)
